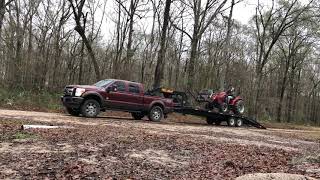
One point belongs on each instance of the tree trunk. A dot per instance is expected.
(226, 58)
(158, 75)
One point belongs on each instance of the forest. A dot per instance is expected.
(273, 61)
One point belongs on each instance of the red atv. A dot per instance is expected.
(225, 102)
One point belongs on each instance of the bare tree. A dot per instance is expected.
(80, 19)
(203, 16)
(158, 75)
(269, 27)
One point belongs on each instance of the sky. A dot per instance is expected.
(243, 12)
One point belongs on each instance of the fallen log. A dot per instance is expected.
(24, 127)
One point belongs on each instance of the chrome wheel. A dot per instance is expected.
(239, 122)
(231, 121)
(156, 113)
(91, 109)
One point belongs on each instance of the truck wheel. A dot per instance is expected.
(137, 116)
(90, 108)
(239, 122)
(156, 113)
(231, 121)
(73, 112)
(210, 121)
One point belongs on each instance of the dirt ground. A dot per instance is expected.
(114, 146)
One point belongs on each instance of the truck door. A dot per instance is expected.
(117, 99)
(135, 97)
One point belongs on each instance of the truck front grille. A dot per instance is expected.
(68, 91)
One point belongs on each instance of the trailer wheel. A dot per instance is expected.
(239, 122)
(210, 121)
(231, 121)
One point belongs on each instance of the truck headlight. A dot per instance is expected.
(79, 91)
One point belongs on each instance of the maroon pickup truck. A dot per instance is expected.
(115, 94)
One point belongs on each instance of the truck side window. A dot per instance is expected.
(121, 86)
(134, 88)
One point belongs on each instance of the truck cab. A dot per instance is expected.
(115, 94)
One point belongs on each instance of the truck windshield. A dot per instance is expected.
(103, 83)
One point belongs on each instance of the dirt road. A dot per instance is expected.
(119, 147)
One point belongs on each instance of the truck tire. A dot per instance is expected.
(239, 122)
(73, 112)
(231, 121)
(90, 108)
(137, 116)
(155, 114)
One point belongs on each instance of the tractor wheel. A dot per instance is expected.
(239, 107)
(224, 107)
(231, 121)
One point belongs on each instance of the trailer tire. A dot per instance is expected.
(210, 121)
(231, 121)
(239, 122)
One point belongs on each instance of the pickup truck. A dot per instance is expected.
(115, 94)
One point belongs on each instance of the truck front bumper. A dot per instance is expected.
(71, 101)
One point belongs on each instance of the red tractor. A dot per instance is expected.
(225, 102)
